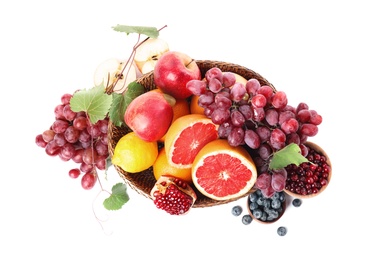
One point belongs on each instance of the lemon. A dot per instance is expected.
(133, 154)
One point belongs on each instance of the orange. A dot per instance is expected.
(186, 136)
(162, 167)
(221, 171)
(181, 108)
(194, 106)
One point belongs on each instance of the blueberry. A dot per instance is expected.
(257, 213)
(276, 204)
(296, 202)
(282, 196)
(237, 210)
(253, 197)
(282, 231)
(260, 201)
(246, 219)
(253, 205)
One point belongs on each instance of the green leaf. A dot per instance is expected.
(291, 154)
(121, 101)
(118, 197)
(95, 102)
(151, 32)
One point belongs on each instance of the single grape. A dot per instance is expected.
(101, 148)
(236, 136)
(224, 129)
(48, 135)
(263, 181)
(68, 113)
(252, 139)
(228, 79)
(303, 115)
(258, 114)
(197, 87)
(279, 100)
(60, 125)
(59, 112)
(237, 118)
(59, 139)
(94, 131)
(66, 98)
(301, 106)
(252, 86)
(277, 139)
(101, 162)
(220, 115)
(88, 180)
(52, 149)
(71, 134)
(215, 85)
(272, 116)
(222, 101)
(247, 111)
(84, 136)
(264, 133)
(86, 168)
(89, 155)
(78, 156)
(67, 151)
(265, 151)
(315, 118)
(278, 180)
(290, 126)
(293, 138)
(308, 129)
(206, 99)
(39, 140)
(80, 123)
(214, 73)
(103, 125)
(259, 101)
(74, 173)
(238, 92)
(304, 150)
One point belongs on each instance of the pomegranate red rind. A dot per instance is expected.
(173, 195)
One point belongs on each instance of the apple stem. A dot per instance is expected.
(130, 59)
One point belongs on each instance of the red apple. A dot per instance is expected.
(173, 71)
(149, 115)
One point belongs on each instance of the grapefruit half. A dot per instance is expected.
(186, 136)
(221, 171)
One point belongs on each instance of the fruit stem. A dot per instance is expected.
(130, 59)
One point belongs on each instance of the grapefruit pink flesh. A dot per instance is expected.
(222, 172)
(222, 175)
(190, 142)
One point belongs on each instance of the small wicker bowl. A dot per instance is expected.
(281, 213)
(143, 182)
(321, 151)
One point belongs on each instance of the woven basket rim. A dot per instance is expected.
(143, 182)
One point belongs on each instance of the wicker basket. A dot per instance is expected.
(144, 181)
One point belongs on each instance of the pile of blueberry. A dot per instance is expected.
(267, 210)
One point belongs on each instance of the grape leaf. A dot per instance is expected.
(94, 101)
(151, 32)
(291, 154)
(118, 197)
(121, 101)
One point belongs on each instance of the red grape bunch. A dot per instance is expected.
(258, 117)
(72, 137)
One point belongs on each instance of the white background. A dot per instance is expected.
(328, 54)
